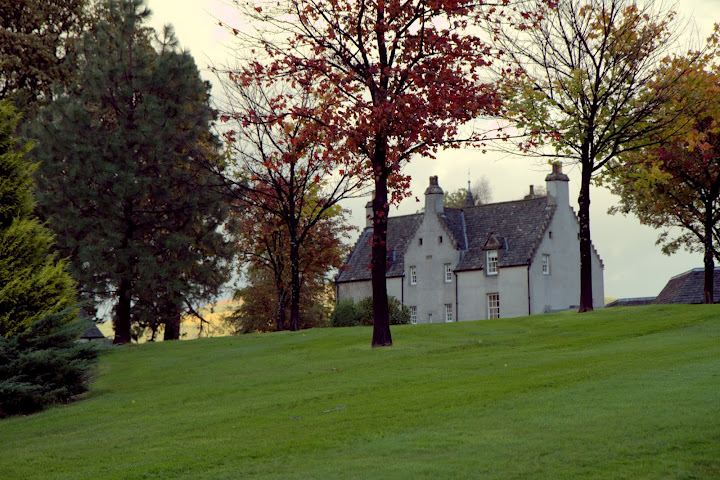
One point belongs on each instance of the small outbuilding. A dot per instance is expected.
(91, 334)
(688, 287)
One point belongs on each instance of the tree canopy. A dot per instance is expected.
(591, 87)
(398, 79)
(122, 177)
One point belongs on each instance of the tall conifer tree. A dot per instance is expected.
(120, 178)
(40, 362)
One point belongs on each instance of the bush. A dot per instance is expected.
(45, 365)
(347, 313)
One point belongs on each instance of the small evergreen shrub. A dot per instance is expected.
(346, 314)
(45, 364)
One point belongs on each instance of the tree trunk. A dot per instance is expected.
(709, 260)
(280, 313)
(586, 295)
(121, 322)
(172, 323)
(294, 285)
(381, 311)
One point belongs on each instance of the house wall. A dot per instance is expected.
(474, 286)
(431, 293)
(560, 290)
(359, 290)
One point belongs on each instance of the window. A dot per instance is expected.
(413, 314)
(429, 317)
(440, 239)
(546, 264)
(448, 312)
(413, 276)
(448, 273)
(492, 262)
(419, 241)
(493, 304)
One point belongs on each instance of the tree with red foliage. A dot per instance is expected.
(284, 182)
(677, 183)
(398, 78)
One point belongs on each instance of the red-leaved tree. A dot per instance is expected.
(397, 79)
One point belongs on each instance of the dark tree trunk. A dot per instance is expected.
(709, 261)
(381, 312)
(294, 284)
(280, 313)
(121, 322)
(172, 324)
(586, 295)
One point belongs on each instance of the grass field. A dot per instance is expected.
(618, 393)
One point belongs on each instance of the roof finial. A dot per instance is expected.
(469, 200)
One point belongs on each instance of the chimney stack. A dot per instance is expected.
(557, 186)
(369, 214)
(433, 197)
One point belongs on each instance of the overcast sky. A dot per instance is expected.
(634, 266)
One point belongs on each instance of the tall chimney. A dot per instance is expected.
(557, 186)
(433, 197)
(369, 214)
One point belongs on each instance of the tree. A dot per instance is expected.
(398, 79)
(677, 183)
(589, 86)
(480, 194)
(35, 41)
(122, 180)
(39, 360)
(263, 239)
(282, 182)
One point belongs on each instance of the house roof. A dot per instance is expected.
(630, 302)
(519, 224)
(92, 333)
(688, 287)
(400, 230)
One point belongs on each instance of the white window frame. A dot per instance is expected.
(448, 313)
(413, 314)
(492, 262)
(448, 273)
(546, 264)
(413, 275)
(493, 305)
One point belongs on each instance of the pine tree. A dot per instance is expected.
(121, 183)
(40, 362)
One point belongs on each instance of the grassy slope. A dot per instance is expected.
(618, 393)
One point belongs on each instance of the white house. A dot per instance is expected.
(498, 260)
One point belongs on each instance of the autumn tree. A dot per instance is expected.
(121, 179)
(397, 79)
(284, 189)
(590, 88)
(480, 194)
(676, 185)
(35, 41)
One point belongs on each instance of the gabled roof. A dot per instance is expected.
(522, 223)
(400, 230)
(519, 225)
(689, 287)
(92, 333)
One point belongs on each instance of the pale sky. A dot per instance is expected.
(634, 266)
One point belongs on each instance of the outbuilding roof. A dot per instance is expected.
(689, 287)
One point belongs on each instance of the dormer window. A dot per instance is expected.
(492, 262)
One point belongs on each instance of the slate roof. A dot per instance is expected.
(92, 333)
(630, 302)
(400, 229)
(689, 287)
(521, 223)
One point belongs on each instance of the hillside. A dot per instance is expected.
(616, 393)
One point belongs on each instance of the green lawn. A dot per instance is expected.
(618, 393)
